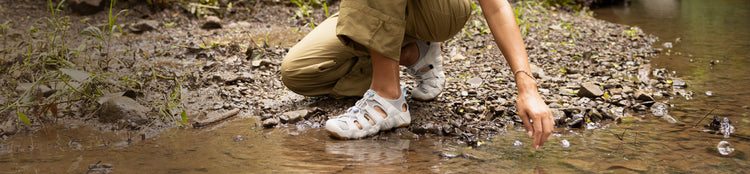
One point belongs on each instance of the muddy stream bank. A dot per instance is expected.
(622, 100)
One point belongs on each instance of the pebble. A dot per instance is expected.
(121, 108)
(679, 83)
(659, 109)
(565, 143)
(709, 93)
(724, 148)
(293, 116)
(726, 128)
(211, 22)
(643, 96)
(270, 122)
(669, 119)
(667, 44)
(517, 143)
(143, 26)
(589, 89)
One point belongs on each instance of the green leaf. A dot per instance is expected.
(184, 116)
(24, 119)
(93, 32)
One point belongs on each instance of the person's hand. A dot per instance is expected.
(531, 107)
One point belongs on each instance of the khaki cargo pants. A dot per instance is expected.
(333, 58)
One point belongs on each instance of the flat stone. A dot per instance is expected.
(537, 72)
(643, 72)
(293, 116)
(143, 26)
(627, 90)
(270, 122)
(8, 128)
(41, 88)
(589, 89)
(659, 109)
(86, 7)
(615, 91)
(669, 119)
(679, 83)
(120, 108)
(566, 91)
(225, 77)
(643, 95)
(558, 115)
(211, 22)
(594, 115)
(554, 105)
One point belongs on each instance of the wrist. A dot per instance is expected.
(525, 82)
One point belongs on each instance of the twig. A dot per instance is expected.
(210, 121)
(704, 117)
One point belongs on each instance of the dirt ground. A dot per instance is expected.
(167, 67)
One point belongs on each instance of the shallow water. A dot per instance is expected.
(708, 31)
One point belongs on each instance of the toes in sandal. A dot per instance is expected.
(366, 116)
(428, 71)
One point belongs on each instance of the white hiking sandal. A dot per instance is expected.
(364, 119)
(431, 82)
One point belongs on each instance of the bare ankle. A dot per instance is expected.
(387, 93)
(409, 55)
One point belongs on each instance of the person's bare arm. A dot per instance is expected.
(502, 23)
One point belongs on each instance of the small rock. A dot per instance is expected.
(86, 7)
(448, 154)
(211, 22)
(8, 128)
(536, 71)
(270, 122)
(643, 96)
(558, 115)
(475, 82)
(667, 44)
(238, 138)
(709, 93)
(659, 109)
(566, 91)
(121, 108)
(99, 168)
(565, 143)
(726, 128)
(225, 77)
(261, 63)
(725, 148)
(627, 90)
(517, 143)
(41, 88)
(669, 119)
(594, 115)
(623, 102)
(293, 116)
(589, 89)
(615, 91)
(679, 83)
(143, 26)
(554, 105)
